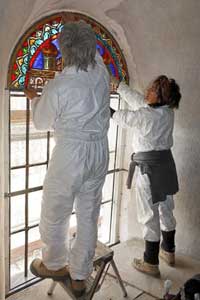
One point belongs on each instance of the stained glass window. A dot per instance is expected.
(30, 53)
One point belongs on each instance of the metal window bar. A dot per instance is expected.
(28, 190)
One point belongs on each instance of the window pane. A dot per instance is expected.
(107, 188)
(114, 101)
(18, 130)
(18, 103)
(34, 207)
(111, 161)
(18, 153)
(17, 212)
(17, 180)
(17, 259)
(104, 223)
(52, 144)
(37, 149)
(34, 247)
(36, 175)
(112, 135)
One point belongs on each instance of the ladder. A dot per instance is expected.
(102, 261)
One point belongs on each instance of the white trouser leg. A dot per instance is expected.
(54, 233)
(153, 217)
(151, 229)
(87, 208)
(57, 205)
(167, 220)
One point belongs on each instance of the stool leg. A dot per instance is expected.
(96, 281)
(119, 277)
(52, 287)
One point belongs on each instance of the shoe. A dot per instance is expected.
(38, 268)
(144, 267)
(168, 257)
(78, 287)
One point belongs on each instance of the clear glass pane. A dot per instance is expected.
(17, 180)
(34, 247)
(18, 152)
(18, 130)
(108, 188)
(114, 101)
(111, 161)
(17, 259)
(112, 135)
(104, 223)
(17, 212)
(34, 207)
(36, 175)
(37, 149)
(52, 144)
(18, 103)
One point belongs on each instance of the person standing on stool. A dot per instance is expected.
(152, 122)
(76, 105)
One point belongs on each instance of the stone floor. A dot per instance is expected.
(138, 285)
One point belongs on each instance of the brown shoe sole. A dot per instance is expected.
(162, 255)
(156, 275)
(55, 278)
(77, 293)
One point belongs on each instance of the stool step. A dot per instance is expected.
(67, 287)
(102, 252)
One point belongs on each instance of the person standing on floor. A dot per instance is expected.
(152, 120)
(76, 105)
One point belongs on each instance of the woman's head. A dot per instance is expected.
(163, 91)
(78, 45)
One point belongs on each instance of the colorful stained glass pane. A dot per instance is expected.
(29, 54)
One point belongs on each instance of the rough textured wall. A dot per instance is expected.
(164, 38)
(157, 37)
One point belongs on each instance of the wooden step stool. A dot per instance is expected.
(102, 261)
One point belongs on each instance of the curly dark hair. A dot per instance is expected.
(167, 90)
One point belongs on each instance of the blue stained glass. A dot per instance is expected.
(33, 49)
(38, 42)
(55, 42)
(100, 49)
(24, 69)
(46, 35)
(26, 59)
(39, 61)
(21, 80)
(112, 68)
(54, 31)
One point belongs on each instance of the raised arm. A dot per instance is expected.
(131, 96)
(45, 108)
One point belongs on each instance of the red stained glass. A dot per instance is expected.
(13, 77)
(15, 66)
(25, 44)
(20, 52)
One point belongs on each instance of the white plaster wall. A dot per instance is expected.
(164, 37)
(157, 37)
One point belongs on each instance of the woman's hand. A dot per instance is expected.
(114, 83)
(30, 93)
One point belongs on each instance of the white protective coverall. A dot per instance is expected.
(76, 105)
(152, 130)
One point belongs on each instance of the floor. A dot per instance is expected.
(138, 285)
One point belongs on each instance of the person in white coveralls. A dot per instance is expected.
(151, 118)
(76, 105)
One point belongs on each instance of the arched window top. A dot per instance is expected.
(29, 53)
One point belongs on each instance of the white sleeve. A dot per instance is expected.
(127, 118)
(45, 108)
(132, 97)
